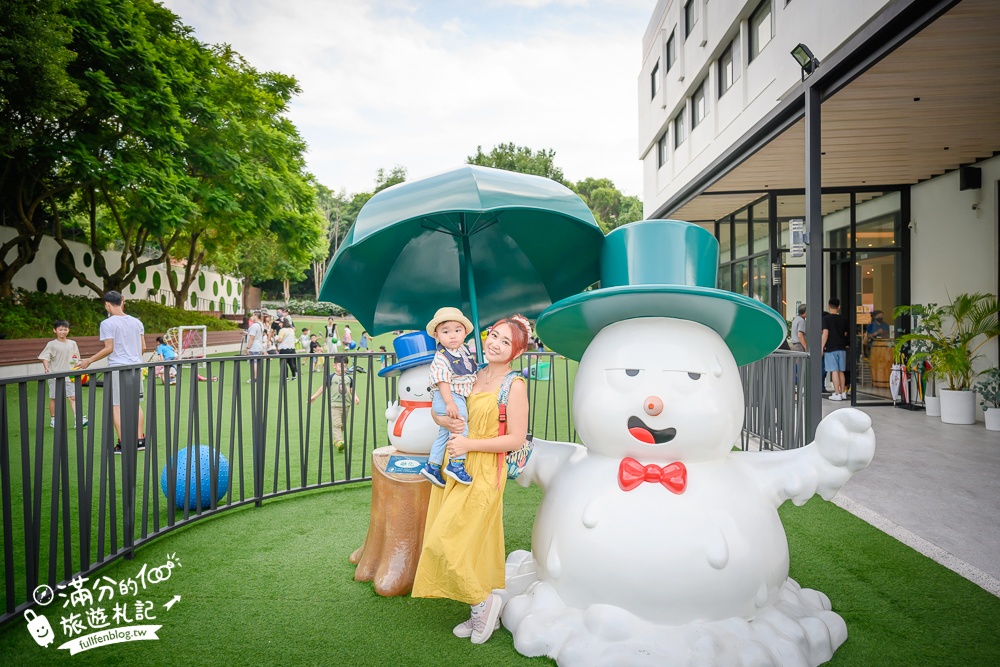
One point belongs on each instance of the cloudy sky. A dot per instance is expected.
(421, 83)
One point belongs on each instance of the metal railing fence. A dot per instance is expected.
(774, 395)
(72, 505)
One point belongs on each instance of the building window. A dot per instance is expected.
(699, 104)
(654, 79)
(661, 150)
(680, 128)
(761, 28)
(729, 68)
(690, 17)
(671, 50)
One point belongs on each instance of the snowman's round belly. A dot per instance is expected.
(715, 551)
(416, 434)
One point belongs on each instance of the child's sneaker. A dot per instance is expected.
(52, 422)
(456, 470)
(339, 445)
(142, 444)
(118, 447)
(432, 472)
(85, 421)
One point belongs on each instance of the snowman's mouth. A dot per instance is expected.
(651, 436)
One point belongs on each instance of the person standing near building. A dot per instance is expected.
(124, 343)
(835, 343)
(799, 330)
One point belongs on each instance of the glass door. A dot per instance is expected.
(876, 294)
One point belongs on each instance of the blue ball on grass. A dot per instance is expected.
(205, 494)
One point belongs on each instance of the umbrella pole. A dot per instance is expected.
(471, 284)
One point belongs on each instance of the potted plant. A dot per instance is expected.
(927, 322)
(949, 338)
(988, 389)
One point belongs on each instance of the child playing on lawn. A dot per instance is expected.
(452, 374)
(315, 347)
(341, 389)
(61, 354)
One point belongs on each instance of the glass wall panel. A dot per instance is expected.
(725, 278)
(761, 278)
(741, 241)
(741, 278)
(878, 220)
(725, 245)
(789, 207)
(761, 214)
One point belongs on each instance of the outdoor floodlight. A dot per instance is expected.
(806, 60)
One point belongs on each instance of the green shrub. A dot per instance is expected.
(31, 314)
(315, 308)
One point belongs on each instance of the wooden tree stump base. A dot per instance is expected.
(388, 557)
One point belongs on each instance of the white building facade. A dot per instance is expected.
(906, 151)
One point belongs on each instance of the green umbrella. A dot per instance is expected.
(487, 241)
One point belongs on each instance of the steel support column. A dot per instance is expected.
(814, 263)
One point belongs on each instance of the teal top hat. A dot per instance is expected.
(661, 268)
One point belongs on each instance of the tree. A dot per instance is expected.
(520, 159)
(35, 93)
(610, 207)
(385, 179)
(247, 161)
(114, 135)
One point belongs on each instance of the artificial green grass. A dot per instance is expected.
(273, 586)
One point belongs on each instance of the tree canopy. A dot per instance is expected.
(117, 123)
(610, 207)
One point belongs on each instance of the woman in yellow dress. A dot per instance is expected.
(463, 552)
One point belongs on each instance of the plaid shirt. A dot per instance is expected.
(457, 369)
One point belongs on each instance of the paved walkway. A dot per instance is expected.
(935, 487)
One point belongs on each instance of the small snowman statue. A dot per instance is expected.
(655, 543)
(411, 427)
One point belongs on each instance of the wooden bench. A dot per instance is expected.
(26, 350)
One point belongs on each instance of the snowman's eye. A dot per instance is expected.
(631, 372)
(694, 376)
(407, 389)
(429, 389)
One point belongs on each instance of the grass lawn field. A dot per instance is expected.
(273, 586)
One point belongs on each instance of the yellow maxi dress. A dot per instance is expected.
(463, 552)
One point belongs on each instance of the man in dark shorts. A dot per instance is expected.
(835, 342)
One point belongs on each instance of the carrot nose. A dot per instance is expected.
(653, 405)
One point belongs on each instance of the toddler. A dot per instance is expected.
(452, 374)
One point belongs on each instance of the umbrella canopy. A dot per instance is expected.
(487, 241)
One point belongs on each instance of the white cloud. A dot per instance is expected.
(421, 86)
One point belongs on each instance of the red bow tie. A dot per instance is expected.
(631, 474)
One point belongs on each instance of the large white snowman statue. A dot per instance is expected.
(411, 426)
(655, 543)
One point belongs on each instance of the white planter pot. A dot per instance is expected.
(958, 407)
(932, 404)
(993, 419)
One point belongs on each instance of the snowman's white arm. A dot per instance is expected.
(392, 411)
(844, 444)
(546, 459)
